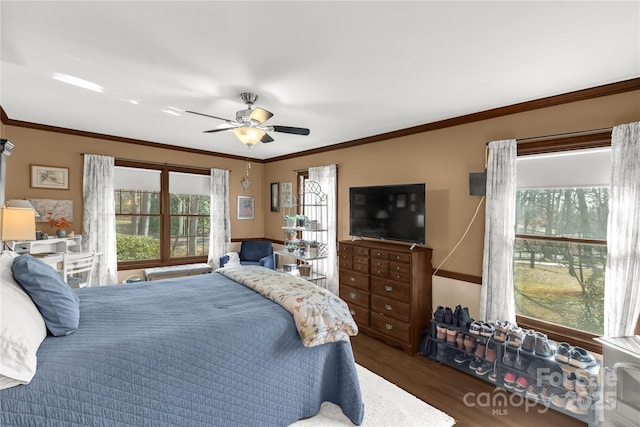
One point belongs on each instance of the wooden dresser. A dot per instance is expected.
(388, 289)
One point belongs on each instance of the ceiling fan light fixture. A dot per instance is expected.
(248, 135)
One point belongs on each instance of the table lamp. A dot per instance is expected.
(17, 224)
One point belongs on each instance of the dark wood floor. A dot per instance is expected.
(445, 388)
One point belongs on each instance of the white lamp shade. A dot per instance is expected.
(22, 203)
(17, 224)
(248, 135)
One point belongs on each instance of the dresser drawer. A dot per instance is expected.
(379, 263)
(357, 280)
(402, 257)
(345, 261)
(360, 264)
(396, 309)
(399, 267)
(360, 314)
(345, 249)
(390, 326)
(377, 253)
(358, 250)
(379, 271)
(354, 296)
(400, 276)
(387, 288)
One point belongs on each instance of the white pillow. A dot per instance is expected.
(22, 328)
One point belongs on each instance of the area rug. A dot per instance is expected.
(385, 404)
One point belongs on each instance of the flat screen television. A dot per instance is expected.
(388, 212)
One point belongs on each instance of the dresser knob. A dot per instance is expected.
(389, 326)
(388, 307)
(352, 295)
(353, 279)
(398, 268)
(353, 312)
(379, 271)
(388, 288)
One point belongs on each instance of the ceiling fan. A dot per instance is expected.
(249, 124)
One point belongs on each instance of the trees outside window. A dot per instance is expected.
(162, 215)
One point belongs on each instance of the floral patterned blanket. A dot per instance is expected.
(319, 315)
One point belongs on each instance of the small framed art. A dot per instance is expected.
(49, 177)
(245, 207)
(275, 197)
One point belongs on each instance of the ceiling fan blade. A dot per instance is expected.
(260, 115)
(266, 138)
(289, 129)
(215, 130)
(207, 115)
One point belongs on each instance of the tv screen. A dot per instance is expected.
(388, 212)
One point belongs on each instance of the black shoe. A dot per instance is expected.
(448, 316)
(438, 316)
(456, 316)
(465, 320)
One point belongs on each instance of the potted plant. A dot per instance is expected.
(290, 220)
(302, 220)
(313, 248)
(302, 247)
(60, 223)
(290, 235)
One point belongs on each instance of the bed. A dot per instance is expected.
(202, 350)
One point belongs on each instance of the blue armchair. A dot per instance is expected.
(254, 252)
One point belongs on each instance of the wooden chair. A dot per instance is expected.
(77, 268)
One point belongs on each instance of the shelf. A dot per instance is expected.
(296, 256)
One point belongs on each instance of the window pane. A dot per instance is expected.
(185, 204)
(137, 237)
(561, 283)
(137, 202)
(574, 212)
(189, 236)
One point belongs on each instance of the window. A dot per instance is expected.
(561, 229)
(162, 214)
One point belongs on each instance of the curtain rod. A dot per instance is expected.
(557, 135)
(164, 164)
(306, 169)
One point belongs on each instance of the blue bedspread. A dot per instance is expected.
(195, 351)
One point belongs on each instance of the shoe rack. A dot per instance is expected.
(494, 358)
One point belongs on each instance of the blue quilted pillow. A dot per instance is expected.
(57, 302)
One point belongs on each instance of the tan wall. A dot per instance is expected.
(443, 160)
(62, 150)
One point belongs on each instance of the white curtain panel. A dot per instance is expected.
(622, 277)
(327, 178)
(98, 217)
(496, 297)
(220, 232)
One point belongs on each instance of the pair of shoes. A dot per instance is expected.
(475, 327)
(438, 315)
(563, 353)
(475, 363)
(544, 346)
(502, 328)
(515, 337)
(581, 358)
(464, 320)
(579, 405)
(481, 328)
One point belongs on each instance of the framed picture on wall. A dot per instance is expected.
(287, 195)
(49, 177)
(275, 197)
(245, 207)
